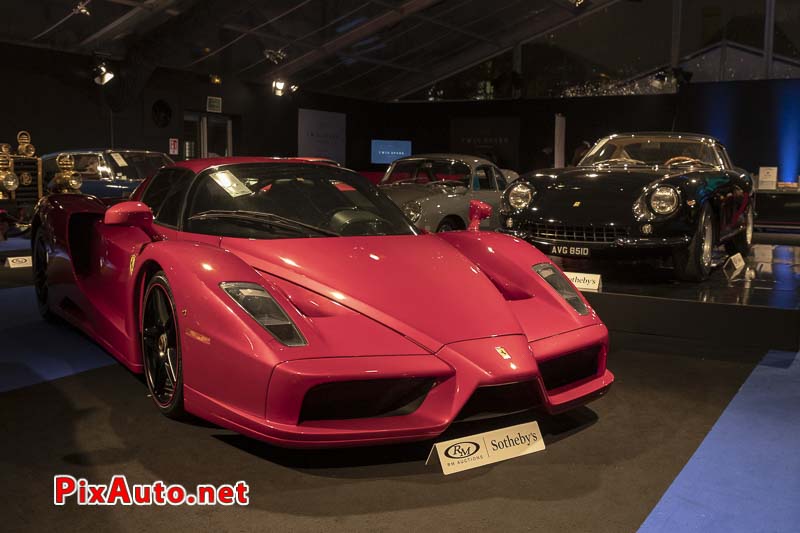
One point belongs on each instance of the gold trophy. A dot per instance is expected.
(8, 180)
(24, 146)
(67, 179)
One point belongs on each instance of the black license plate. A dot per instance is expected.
(572, 251)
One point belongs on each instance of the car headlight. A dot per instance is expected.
(9, 180)
(260, 305)
(75, 181)
(413, 210)
(556, 279)
(664, 200)
(521, 195)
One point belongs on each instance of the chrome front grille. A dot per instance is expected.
(562, 232)
(27, 195)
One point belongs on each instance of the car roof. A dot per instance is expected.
(670, 134)
(469, 159)
(199, 165)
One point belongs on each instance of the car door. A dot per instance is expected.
(110, 249)
(485, 188)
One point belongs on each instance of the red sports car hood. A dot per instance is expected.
(420, 286)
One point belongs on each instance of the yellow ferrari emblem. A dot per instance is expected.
(576, 204)
(503, 353)
(133, 264)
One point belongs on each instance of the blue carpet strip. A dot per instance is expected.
(745, 476)
(33, 350)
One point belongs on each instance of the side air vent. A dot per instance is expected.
(576, 366)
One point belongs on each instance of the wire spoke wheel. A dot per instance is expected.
(708, 241)
(160, 350)
(749, 227)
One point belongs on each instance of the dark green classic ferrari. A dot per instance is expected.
(637, 194)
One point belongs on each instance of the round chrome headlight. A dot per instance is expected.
(521, 195)
(664, 200)
(75, 181)
(9, 180)
(413, 210)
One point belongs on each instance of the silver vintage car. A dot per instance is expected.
(434, 190)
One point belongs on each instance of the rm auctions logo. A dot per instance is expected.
(462, 450)
(119, 492)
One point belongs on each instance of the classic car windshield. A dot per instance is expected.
(130, 165)
(429, 171)
(138, 165)
(276, 200)
(651, 151)
(88, 165)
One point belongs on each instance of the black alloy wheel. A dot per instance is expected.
(161, 352)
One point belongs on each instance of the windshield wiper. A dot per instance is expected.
(268, 218)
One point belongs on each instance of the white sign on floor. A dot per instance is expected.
(19, 262)
(585, 282)
(486, 448)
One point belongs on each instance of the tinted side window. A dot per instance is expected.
(165, 195)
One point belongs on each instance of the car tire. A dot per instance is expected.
(450, 223)
(161, 347)
(693, 262)
(742, 241)
(41, 283)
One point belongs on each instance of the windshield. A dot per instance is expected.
(429, 171)
(137, 165)
(89, 166)
(650, 151)
(277, 200)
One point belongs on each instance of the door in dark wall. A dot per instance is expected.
(207, 135)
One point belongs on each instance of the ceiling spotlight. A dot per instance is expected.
(102, 74)
(215, 79)
(577, 3)
(81, 8)
(280, 87)
(275, 56)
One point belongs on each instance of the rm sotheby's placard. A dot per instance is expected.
(486, 448)
(19, 262)
(585, 282)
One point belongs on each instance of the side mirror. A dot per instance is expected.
(135, 214)
(478, 211)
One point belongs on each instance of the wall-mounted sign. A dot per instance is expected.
(214, 104)
(767, 178)
(384, 152)
(493, 138)
(322, 134)
(173, 146)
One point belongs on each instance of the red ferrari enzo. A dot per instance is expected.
(293, 302)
